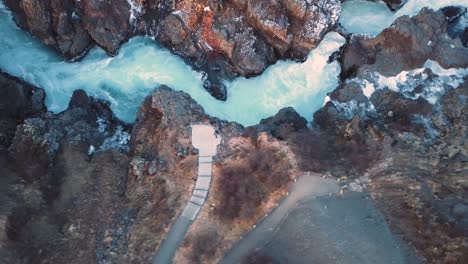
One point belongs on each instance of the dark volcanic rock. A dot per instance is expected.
(402, 109)
(406, 45)
(39, 138)
(250, 34)
(458, 19)
(72, 27)
(56, 23)
(107, 22)
(395, 4)
(347, 92)
(285, 122)
(18, 101)
(53, 172)
(453, 12)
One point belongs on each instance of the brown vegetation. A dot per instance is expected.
(246, 183)
(204, 244)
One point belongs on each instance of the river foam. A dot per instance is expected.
(370, 18)
(142, 65)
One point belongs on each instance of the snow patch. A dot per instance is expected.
(118, 141)
(352, 108)
(368, 89)
(91, 150)
(135, 10)
(102, 124)
(416, 83)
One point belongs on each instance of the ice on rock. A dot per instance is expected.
(135, 10)
(368, 89)
(101, 124)
(434, 79)
(91, 150)
(119, 140)
(352, 108)
(430, 82)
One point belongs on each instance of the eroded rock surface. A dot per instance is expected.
(250, 35)
(72, 27)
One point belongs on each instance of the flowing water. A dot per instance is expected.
(141, 65)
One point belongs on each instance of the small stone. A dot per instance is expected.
(153, 167)
(137, 165)
(390, 114)
(453, 152)
(107, 240)
(72, 228)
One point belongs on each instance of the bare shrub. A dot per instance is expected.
(204, 244)
(317, 151)
(241, 191)
(312, 150)
(244, 185)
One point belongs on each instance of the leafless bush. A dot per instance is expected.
(204, 244)
(317, 151)
(313, 151)
(243, 186)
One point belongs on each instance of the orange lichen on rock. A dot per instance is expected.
(207, 31)
(190, 12)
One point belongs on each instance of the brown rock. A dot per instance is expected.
(107, 22)
(55, 23)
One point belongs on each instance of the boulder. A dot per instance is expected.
(55, 23)
(107, 22)
(283, 124)
(18, 101)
